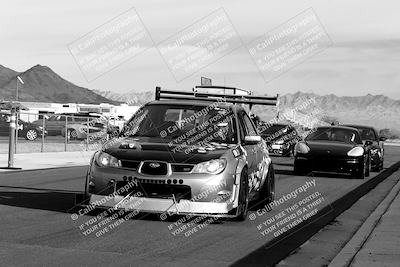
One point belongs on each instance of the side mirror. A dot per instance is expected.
(382, 138)
(252, 139)
(368, 142)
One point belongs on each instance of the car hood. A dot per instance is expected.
(329, 148)
(144, 148)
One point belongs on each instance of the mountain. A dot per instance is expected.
(378, 111)
(6, 75)
(132, 98)
(375, 110)
(42, 84)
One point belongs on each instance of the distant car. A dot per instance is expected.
(337, 149)
(97, 125)
(377, 147)
(280, 138)
(27, 130)
(55, 123)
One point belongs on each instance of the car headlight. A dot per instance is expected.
(356, 152)
(301, 148)
(106, 160)
(214, 166)
(279, 142)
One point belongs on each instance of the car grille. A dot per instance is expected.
(154, 168)
(161, 170)
(154, 188)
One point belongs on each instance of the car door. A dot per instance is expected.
(252, 151)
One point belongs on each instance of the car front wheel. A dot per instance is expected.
(361, 173)
(300, 169)
(243, 196)
(268, 191)
(31, 135)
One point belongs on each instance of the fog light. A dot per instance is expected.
(111, 183)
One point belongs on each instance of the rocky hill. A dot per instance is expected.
(376, 110)
(42, 84)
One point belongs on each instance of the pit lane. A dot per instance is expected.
(36, 229)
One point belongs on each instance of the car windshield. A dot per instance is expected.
(190, 125)
(335, 134)
(367, 134)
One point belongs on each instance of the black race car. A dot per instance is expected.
(280, 138)
(336, 149)
(377, 147)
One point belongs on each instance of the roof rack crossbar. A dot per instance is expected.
(212, 97)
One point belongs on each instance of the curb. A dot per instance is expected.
(280, 247)
(347, 254)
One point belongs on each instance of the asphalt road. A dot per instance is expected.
(36, 229)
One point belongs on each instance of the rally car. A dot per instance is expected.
(185, 153)
(280, 138)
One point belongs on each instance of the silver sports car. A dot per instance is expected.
(185, 153)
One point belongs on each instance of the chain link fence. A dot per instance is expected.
(57, 132)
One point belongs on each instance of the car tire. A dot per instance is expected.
(299, 169)
(360, 174)
(31, 135)
(368, 167)
(243, 196)
(267, 194)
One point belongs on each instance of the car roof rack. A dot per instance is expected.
(236, 91)
(213, 97)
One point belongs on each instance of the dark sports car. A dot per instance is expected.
(336, 149)
(377, 147)
(280, 138)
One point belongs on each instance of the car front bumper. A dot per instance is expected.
(344, 165)
(161, 206)
(196, 194)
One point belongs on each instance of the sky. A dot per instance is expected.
(362, 59)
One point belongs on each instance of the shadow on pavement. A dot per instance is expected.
(56, 200)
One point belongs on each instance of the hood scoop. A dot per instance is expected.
(130, 145)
